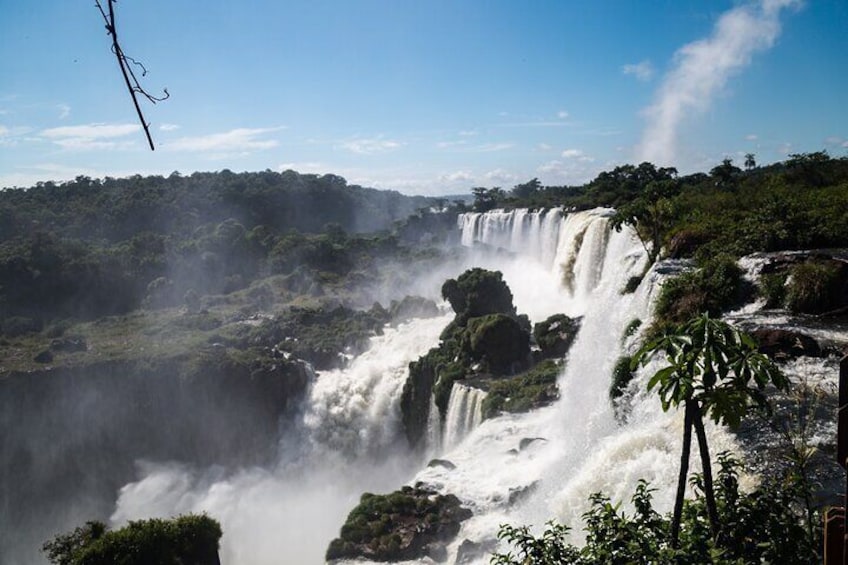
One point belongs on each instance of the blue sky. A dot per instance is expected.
(427, 97)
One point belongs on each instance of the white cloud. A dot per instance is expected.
(372, 146)
(240, 140)
(643, 70)
(91, 136)
(91, 131)
(64, 111)
(543, 147)
(567, 171)
(701, 70)
(562, 114)
(457, 177)
(467, 132)
(169, 127)
(500, 176)
(751, 137)
(577, 154)
(447, 144)
(306, 167)
(492, 147)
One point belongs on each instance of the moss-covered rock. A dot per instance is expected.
(499, 342)
(409, 524)
(532, 389)
(478, 292)
(555, 335)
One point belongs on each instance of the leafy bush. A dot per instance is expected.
(186, 539)
(762, 526)
(712, 288)
(816, 286)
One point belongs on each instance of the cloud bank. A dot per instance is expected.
(702, 68)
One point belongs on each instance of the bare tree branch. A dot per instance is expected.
(124, 61)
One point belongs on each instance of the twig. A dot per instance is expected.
(130, 79)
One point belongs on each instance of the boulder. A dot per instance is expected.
(786, 344)
(406, 525)
(555, 335)
(478, 292)
(412, 307)
(499, 342)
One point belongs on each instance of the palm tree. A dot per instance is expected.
(715, 370)
(750, 161)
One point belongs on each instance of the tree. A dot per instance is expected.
(750, 161)
(650, 213)
(725, 174)
(715, 370)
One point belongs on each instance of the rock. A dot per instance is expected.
(472, 551)
(478, 292)
(786, 344)
(43, 357)
(517, 494)
(527, 441)
(555, 335)
(499, 342)
(412, 307)
(69, 344)
(441, 463)
(406, 525)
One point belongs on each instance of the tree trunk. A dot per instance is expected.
(706, 467)
(684, 471)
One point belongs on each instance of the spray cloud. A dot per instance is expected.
(702, 68)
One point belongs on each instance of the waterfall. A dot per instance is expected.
(349, 441)
(465, 412)
(529, 468)
(515, 468)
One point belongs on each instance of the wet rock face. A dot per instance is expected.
(410, 524)
(782, 345)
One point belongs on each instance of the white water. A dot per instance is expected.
(465, 412)
(349, 441)
(548, 461)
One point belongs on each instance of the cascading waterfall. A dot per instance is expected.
(528, 468)
(465, 412)
(519, 468)
(350, 441)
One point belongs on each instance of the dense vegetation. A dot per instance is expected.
(88, 248)
(765, 525)
(183, 540)
(411, 523)
(796, 204)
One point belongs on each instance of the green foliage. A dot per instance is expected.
(772, 287)
(713, 363)
(537, 387)
(186, 539)
(761, 526)
(712, 288)
(498, 341)
(816, 286)
(398, 525)
(478, 292)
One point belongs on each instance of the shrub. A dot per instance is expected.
(713, 288)
(186, 539)
(815, 287)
